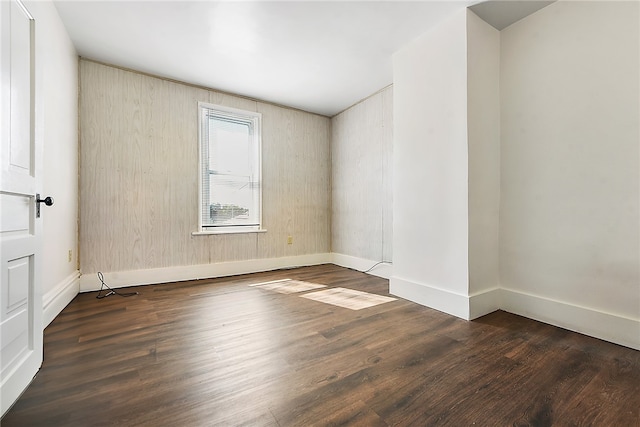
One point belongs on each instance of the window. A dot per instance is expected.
(230, 164)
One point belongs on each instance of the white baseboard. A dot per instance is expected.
(382, 270)
(55, 300)
(430, 296)
(463, 306)
(588, 321)
(484, 302)
(119, 279)
(606, 326)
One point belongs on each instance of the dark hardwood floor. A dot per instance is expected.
(221, 353)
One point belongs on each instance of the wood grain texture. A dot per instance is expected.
(139, 176)
(361, 172)
(220, 352)
(296, 172)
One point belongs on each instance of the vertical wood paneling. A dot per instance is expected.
(139, 176)
(296, 171)
(361, 190)
(277, 161)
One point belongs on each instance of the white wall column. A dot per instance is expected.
(430, 206)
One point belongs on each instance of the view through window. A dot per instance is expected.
(230, 169)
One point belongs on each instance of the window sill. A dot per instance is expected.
(208, 233)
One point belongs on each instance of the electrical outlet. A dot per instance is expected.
(290, 240)
(70, 255)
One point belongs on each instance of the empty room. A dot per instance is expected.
(320, 213)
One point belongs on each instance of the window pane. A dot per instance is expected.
(230, 146)
(230, 168)
(232, 200)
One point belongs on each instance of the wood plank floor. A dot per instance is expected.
(222, 353)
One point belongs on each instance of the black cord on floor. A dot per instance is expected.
(111, 291)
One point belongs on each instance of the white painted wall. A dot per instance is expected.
(483, 124)
(569, 218)
(430, 206)
(361, 180)
(59, 65)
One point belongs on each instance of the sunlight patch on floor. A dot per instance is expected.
(288, 286)
(348, 298)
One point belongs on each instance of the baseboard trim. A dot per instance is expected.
(55, 300)
(430, 296)
(588, 321)
(484, 302)
(119, 279)
(361, 264)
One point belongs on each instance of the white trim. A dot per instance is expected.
(430, 296)
(119, 279)
(56, 299)
(244, 115)
(484, 302)
(384, 270)
(233, 231)
(463, 306)
(610, 327)
(589, 321)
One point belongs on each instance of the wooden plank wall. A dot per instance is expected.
(139, 176)
(362, 193)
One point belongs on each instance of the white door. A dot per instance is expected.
(20, 230)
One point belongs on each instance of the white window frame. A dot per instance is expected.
(241, 115)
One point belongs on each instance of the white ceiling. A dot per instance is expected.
(319, 56)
